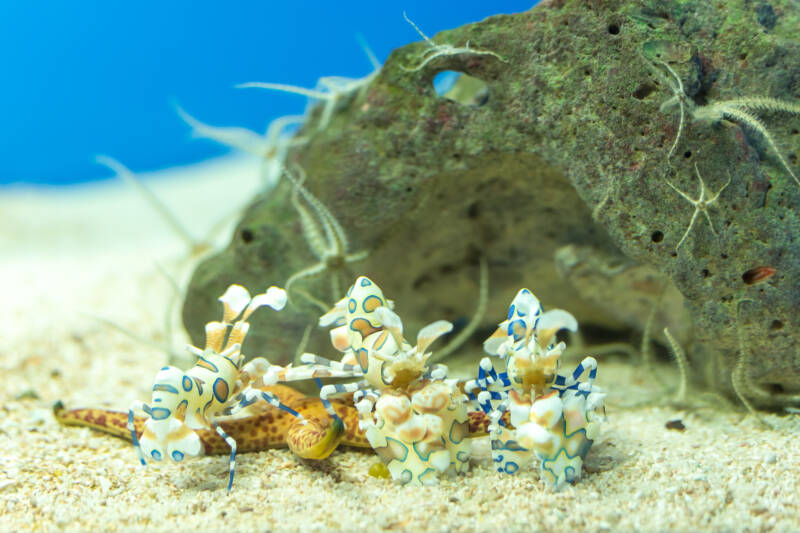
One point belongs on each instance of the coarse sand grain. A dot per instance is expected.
(73, 255)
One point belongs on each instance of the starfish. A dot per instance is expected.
(701, 204)
(437, 50)
(325, 237)
(264, 428)
(743, 110)
(196, 248)
(259, 429)
(329, 89)
(272, 147)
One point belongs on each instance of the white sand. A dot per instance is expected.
(94, 249)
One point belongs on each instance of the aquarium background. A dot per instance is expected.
(88, 78)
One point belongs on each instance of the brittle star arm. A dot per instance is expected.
(324, 234)
(680, 96)
(739, 109)
(336, 237)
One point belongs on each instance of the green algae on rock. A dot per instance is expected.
(568, 148)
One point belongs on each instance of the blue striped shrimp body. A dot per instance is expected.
(183, 402)
(554, 416)
(371, 336)
(413, 416)
(560, 427)
(421, 433)
(356, 314)
(166, 434)
(526, 341)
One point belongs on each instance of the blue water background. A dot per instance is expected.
(83, 78)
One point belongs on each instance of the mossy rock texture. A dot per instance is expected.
(559, 178)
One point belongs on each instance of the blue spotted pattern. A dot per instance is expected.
(160, 413)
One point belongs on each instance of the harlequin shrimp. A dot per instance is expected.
(413, 417)
(183, 402)
(262, 426)
(259, 426)
(555, 417)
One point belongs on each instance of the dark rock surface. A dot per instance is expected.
(559, 178)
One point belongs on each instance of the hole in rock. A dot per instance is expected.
(461, 88)
(643, 91)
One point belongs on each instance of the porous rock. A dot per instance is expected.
(558, 176)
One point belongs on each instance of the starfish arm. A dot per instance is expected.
(336, 236)
(666, 104)
(311, 230)
(680, 129)
(685, 196)
(711, 224)
(334, 233)
(437, 50)
(341, 242)
(316, 439)
(678, 88)
(234, 137)
(336, 286)
(307, 272)
(327, 111)
(437, 53)
(413, 25)
(477, 317)
(356, 256)
(764, 103)
(276, 127)
(691, 224)
(710, 113)
(339, 84)
(105, 420)
(755, 124)
(129, 177)
(251, 433)
(318, 95)
(323, 307)
(716, 195)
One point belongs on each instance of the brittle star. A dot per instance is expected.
(271, 147)
(700, 204)
(330, 89)
(325, 237)
(437, 50)
(742, 110)
(268, 428)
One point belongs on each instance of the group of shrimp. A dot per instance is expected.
(420, 422)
